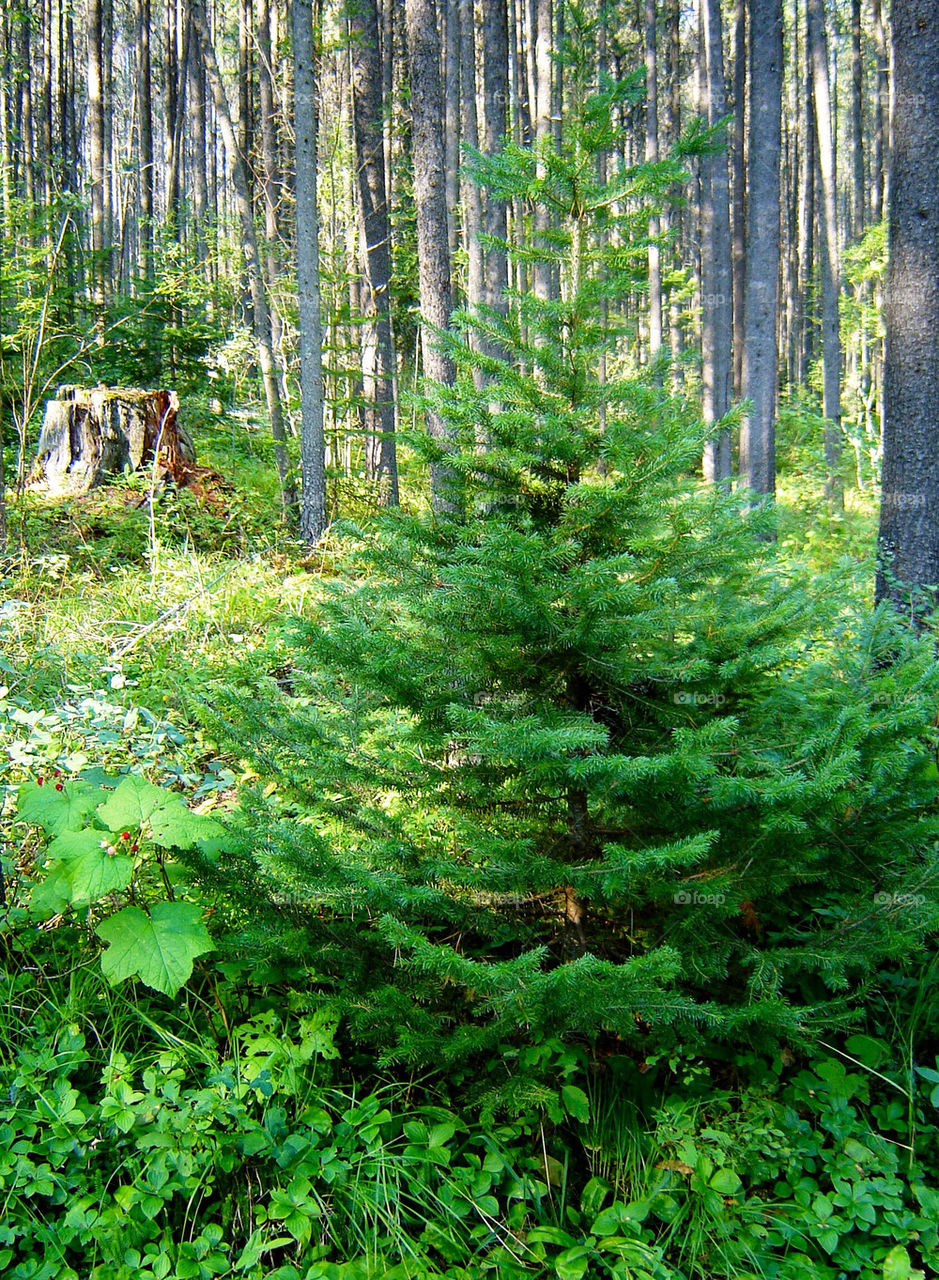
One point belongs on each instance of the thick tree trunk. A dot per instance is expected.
(430, 199)
(87, 436)
(909, 513)
(259, 303)
(312, 443)
(760, 357)
(378, 346)
(828, 246)
(717, 268)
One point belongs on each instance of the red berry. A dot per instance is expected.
(57, 774)
(58, 786)
(40, 780)
(125, 835)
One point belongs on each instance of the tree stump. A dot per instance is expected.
(88, 435)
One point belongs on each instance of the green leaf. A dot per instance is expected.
(593, 1195)
(897, 1265)
(572, 1263)
(58, 811)
(828, 1239)
(82, 871)
(159, 948)
(725, 1182)
(95, 874)
(137, 803)
(576, 1102)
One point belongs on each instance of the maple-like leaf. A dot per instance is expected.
(58, 811)
(158, 948)
(137, 803)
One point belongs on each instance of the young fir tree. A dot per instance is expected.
(578, 758)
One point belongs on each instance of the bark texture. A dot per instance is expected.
(760, 361)
(909, 514)
(87, 436)
(717, 274)
(312, 440)
(433, 251)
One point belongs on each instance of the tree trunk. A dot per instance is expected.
(312, 444)
(652, 155)
(717, 272)
(881, 109)
(430, 201)
(451, 20)
(495, 99)
(858, 202)
(269, 167)
(259, 303)
(469, 126)
(96, 159)
(909, 513)
(145, 135)
(760, 367)
(828, 246)
(173, 108)
(738, 159)
(543, 283)
(87, 436)
(200, 182)
(378, 346)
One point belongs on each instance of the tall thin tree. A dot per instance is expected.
(828, 243)
(717, 267)
(378, 355)
(433, 251)
(760, 360)
(312, 445)
(259, 301)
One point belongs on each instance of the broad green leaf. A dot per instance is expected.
(576, 1102)
(725, 1182)
(94, 874)
(81, 872)
(159, 948)
(53, 893)
(572, 1263)
(58, 811)
(868, 1050)
(593, 1195)
(828, 1239)
(318, 1034)
(137, 803)
(897, 1265)
(76, 844)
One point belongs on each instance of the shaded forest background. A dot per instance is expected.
(125, 233)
